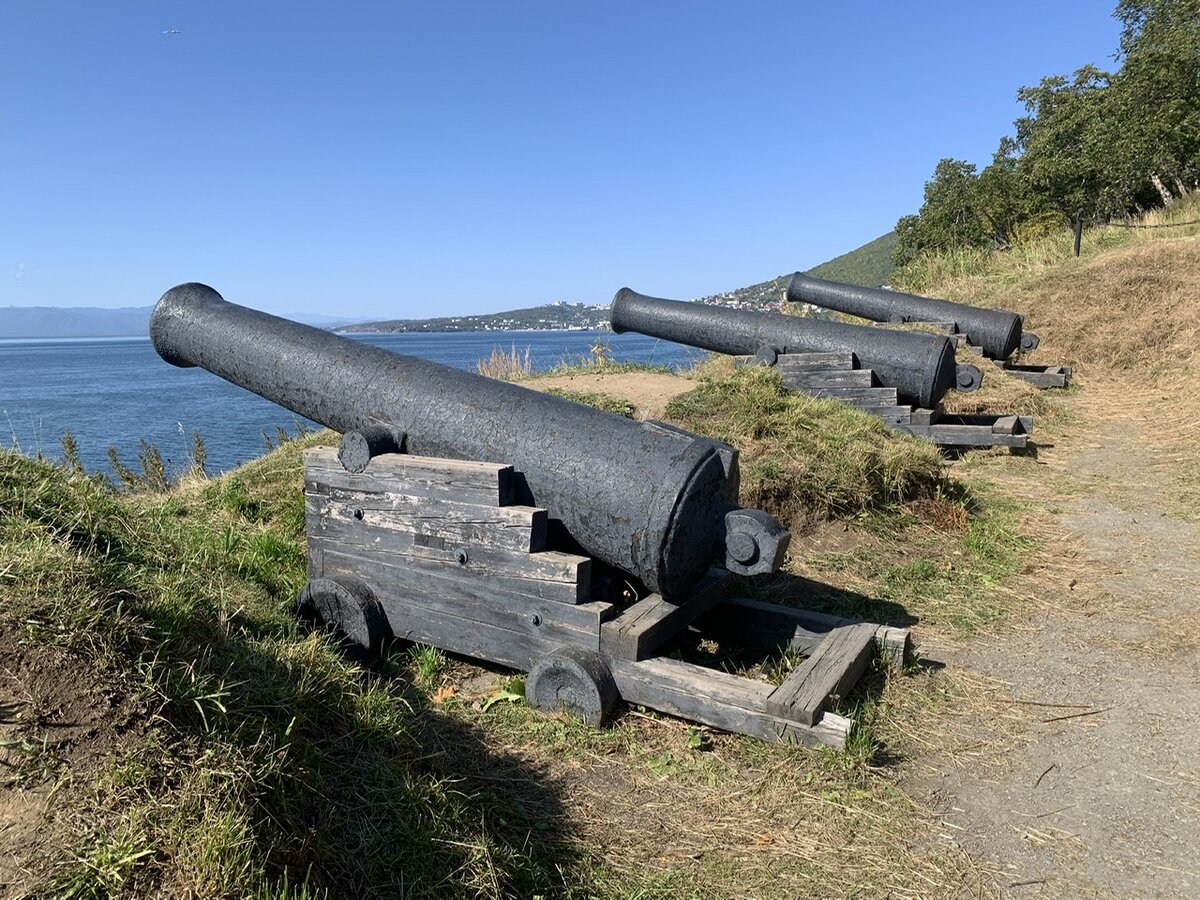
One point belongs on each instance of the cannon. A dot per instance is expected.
(653, 501)
(998, 331)
(470, 514)
(921, 367)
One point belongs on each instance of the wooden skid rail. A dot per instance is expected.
(1039, 376)
(835, 376)
(441, 550)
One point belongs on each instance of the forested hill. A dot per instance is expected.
(870, 265)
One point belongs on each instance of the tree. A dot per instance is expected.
(1107, 143)
(1064, 142)
(1156, 96)
(1004, 197)
(949, 215)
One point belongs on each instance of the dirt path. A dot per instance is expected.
(649, 392)
(1082, 778)
(1100, 794)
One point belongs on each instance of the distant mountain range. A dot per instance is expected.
(870, 264)
(72, 322)
(90, 321)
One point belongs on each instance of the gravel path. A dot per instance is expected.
(1099, 795)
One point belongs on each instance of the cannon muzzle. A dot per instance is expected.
(656, 502)
(998, 331)
(920, 366)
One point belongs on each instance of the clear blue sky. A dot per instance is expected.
(405, 159)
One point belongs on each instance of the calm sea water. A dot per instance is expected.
(117, 391)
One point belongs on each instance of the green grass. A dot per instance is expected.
(804, 458)
(955, 578)
(269, 766)
(589, 365)
(273, 767)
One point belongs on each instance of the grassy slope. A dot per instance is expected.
(1125, 314)
(268, 766)
(870, 265)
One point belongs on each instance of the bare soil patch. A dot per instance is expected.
(649, 392)
(59, 721)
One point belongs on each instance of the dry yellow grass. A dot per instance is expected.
(1125, 315)
(511, 366)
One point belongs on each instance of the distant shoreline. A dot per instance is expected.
(43, 339)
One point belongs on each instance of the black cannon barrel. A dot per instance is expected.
(920, 366)
(654, 501)
(998, 331)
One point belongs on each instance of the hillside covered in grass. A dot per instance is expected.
(170, 728)
(871, 265)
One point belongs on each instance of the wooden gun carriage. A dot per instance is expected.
(412, 534)
(435, 551)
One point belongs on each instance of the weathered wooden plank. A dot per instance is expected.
(471, 597)
(899, 415)
(1007, 425)
(810, 362)
(832, 378)
(1010, 424)
(718, 699)
(520, 528)
(639, 631)
(884, 395)
(1040, 376)
(832, 670)
(922, 416)
(462, 481)
(548, 574)
(762, 624)
(413, 618)
(965, 435)
(873, 403)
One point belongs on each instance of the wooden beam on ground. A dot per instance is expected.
(719, 699)
(832, 671)
(639, 631)
(764, 624)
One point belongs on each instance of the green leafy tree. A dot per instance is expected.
(1004, 197)
(949, 217)
(1064, 140)
(1156, 97)
(1107, 143)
